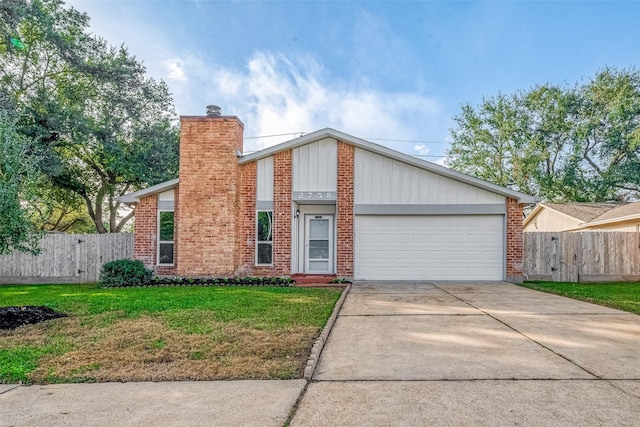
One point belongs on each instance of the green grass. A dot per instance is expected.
(263, 306)
(17, 362)
(250, 332)
(623, 296)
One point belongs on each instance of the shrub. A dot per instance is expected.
(124, 272)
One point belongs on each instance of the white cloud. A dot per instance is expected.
(175, 69)
(276, 94)
(421, 149)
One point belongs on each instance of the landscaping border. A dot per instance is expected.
(318, 346)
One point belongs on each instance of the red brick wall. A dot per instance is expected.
(145, 238)
(246, 218)
(514, 241)
(208, 203)
(344, 210)
(282, 188)
(146, 230)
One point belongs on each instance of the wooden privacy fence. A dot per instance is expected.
(589, 256)
(66, 258)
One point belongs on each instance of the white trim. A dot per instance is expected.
(255, 258)
(160, 242)
(330, 260)
(298, 232)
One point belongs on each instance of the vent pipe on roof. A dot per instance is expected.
(213, 111)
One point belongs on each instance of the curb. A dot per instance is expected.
(316, 350)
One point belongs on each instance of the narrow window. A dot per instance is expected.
(165, 240)
(264, 241)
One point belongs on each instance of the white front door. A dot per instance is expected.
(318, 244)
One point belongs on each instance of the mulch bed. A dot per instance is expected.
(13, 317)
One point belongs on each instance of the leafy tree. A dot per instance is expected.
(102, 128)
(59, 210)
(558, 143)
(18, 179)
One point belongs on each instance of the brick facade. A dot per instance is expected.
(146, 230)
(344, 210)
(246, 219)
(209, 195)
(282, 214)
(215, 209)
(514, 241)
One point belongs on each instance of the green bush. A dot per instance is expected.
(124, 272)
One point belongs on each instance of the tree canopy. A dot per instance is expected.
(18, 179)
(99, 126)
(559, 143)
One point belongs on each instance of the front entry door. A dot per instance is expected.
(318, 248)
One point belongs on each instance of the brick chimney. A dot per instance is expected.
(206, 226)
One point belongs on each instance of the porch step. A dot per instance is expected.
(314, 279)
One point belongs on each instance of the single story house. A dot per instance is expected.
(325, 203)
(584, 217)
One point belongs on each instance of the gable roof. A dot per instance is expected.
(629, 209)
(625, 212)
(590, 214)
(356, 142)
(387, 152)
(584, 212)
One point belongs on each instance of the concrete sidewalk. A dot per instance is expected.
(474, 354)
(213, 403)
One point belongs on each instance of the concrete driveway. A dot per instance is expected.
(474, 354)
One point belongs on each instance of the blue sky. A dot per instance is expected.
(393, 72)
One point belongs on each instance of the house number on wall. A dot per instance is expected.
(314, 195)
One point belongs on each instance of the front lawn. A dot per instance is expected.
(623, 296)
(163, 334)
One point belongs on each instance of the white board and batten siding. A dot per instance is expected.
(381, 180)
(264, 180)
(413, 224)
(315, 166)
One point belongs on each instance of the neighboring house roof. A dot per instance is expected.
(360, 143)
(629, 211)
(584, 212)
(590, 214)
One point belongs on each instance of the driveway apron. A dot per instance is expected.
(474, 354)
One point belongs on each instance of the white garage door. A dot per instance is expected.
(458, 247)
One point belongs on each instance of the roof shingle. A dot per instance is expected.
(585, 212)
